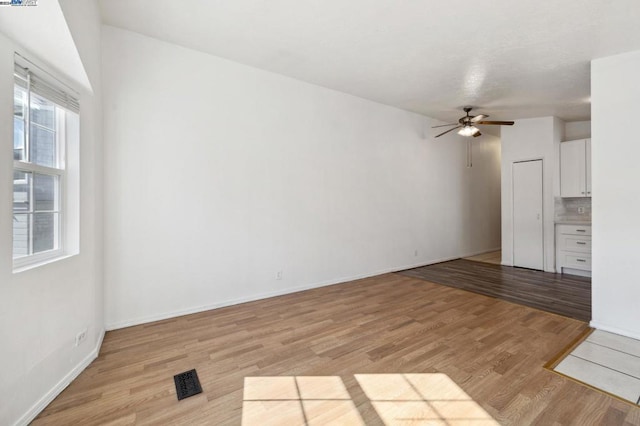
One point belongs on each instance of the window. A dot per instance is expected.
(41, 114)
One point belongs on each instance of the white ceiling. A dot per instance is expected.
(513, 59)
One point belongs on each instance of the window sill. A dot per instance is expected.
(26, 265)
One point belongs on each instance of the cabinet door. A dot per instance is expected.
(588, 166)
(572, 169)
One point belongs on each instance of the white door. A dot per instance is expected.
(527, 215)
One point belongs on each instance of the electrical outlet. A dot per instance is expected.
(81, 337)
(580, 210)
(279, 275)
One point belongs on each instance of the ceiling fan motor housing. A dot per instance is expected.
(466, 121)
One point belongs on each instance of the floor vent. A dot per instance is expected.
(187, 384)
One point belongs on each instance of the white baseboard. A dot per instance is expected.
(578, 272)
(166, 315)
(61, 385)
(550, 270)
(615, 330)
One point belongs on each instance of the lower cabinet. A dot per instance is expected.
(573, 249)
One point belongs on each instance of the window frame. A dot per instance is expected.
(34, 259)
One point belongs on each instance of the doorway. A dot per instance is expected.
(528, 249)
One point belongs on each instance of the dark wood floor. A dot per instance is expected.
(563, 294)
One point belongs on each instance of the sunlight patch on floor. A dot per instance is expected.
(432, 399)
(398, 399)
(298, 400)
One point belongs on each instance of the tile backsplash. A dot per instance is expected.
(568, 209)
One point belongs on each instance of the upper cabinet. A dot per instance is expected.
(575, 168)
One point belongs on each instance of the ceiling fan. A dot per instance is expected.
(467, 124)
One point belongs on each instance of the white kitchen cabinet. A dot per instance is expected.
(573, 249)
(575, 168)
(588, 167)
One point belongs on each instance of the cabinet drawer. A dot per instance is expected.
(575, 243)
(576, 261)
(574, 229)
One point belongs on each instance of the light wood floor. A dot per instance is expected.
(494, 257)
(409, 329)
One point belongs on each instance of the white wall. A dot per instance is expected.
(42, 309)
(531, 139)
(219, 175)
(616, 194)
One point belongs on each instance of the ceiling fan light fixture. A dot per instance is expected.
(468, 131)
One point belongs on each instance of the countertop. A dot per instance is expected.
(573, 222)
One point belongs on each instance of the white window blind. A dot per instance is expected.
(40, 84)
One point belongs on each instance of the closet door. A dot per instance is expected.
(527, 215)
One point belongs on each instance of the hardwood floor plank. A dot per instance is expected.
(493, 350)
(562, 294)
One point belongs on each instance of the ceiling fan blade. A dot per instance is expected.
(445, 125)
(478, 118)
(450, 130)
(476, 134)
(498, 123)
